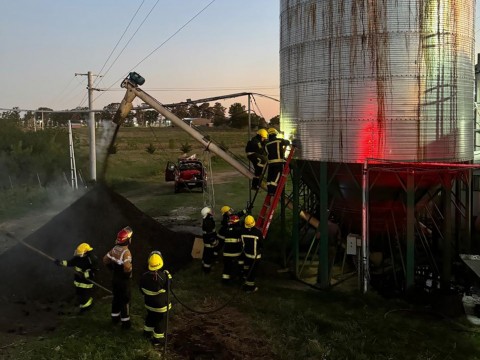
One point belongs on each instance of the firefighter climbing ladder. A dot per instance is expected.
(270, 204)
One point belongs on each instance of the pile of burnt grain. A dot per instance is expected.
(95, 218)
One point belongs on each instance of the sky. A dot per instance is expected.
(185, 49)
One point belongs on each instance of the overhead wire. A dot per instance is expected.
(118, 42)
(163, 43)
(131, 38)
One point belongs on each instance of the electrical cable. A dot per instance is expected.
(118, 42)
(131, 38)
(159, 46)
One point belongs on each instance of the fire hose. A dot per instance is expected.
(50, 258)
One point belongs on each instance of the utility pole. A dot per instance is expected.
(91, 125)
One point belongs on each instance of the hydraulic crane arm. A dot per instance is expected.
(126, 105)
(131, 85)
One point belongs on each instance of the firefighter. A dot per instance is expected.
(210, 241)
(255, 150)
(252, 240)
(275, 149)
(232, 251)
(119, 260)
(226, 212)
(155, 287)
(85, 264)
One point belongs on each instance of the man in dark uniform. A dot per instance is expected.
(119, 260)
(275, 149)
(155, 285)
(210, 241)
(232, 251)
(226, 212)
(85, 264)
(255, 150)
(252, 239)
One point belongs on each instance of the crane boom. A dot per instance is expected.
(126, 105)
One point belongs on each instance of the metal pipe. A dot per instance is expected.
(364, 251)
(191, 131)
(126, 106)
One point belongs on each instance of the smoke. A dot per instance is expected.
(103, 142)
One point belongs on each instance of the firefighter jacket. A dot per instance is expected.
(85, 268)
(233, 244)
(255, 146)
(209, 233)
(275, 149)
(252, 239)
(224, 223)
(154, 286)
(119, 259)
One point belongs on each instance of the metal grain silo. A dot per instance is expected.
(383, 79)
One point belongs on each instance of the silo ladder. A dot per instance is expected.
(270, 203)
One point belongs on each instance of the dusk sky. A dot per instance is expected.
(183, 48)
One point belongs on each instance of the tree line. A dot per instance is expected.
(237, 116)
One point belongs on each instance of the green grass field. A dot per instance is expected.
(297, 321)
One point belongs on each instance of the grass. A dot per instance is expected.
(299, 322)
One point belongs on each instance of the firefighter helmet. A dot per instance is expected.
(205, 211)
(225, 209)
(272, 131)
(233, 219)
(263, 133)
(155, 261)
(124, 235)
(249, 221)
(82, 249)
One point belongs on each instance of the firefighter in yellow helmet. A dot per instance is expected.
(275, 149)
(232, 252)
(155, 287)
(85, 264)
(226, 212)
(252, 240)
(255, 150)
(119, 260)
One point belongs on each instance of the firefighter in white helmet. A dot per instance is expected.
(155, 287)
(210, 241)
(255, 150)
(119, 260)
(85, 264)
(252, 239)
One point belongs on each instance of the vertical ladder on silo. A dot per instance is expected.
(271, 201)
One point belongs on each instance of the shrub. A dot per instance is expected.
(150, 148)
(185, 148)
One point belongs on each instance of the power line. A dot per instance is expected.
(163, 43)
(121, 37)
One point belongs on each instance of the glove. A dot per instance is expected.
(57, 262)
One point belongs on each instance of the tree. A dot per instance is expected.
(219, 118)
(238, 116)
(151, 117)
(181, 111)
(60, 118)
(109, 111)
(206, 112)
(11, 117)
(194, 111)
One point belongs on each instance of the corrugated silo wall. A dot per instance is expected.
(383, 79)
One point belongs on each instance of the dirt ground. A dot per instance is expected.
(36, 309)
